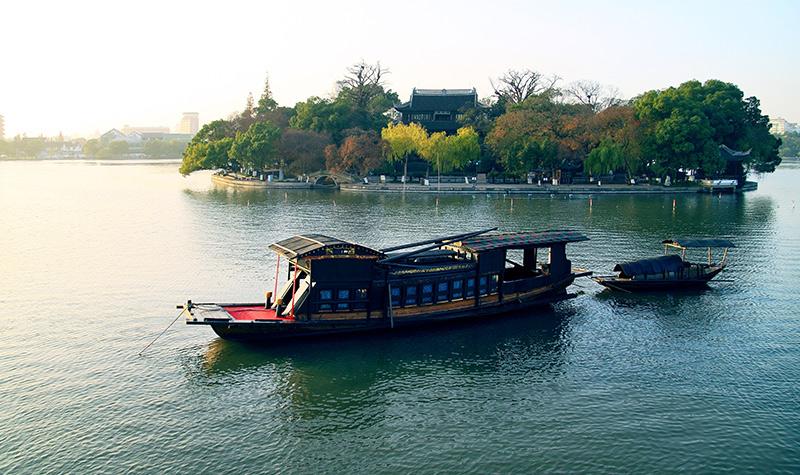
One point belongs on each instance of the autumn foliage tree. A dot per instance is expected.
(303, 150)
(541, 133)
(359, 153)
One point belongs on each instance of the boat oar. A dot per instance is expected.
(183, 309)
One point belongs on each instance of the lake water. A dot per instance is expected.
(94, 257)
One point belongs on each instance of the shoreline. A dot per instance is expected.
(463, 189)
(502, 189)
(227, 180)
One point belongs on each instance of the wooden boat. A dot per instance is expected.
(670, 271)
(335, 286)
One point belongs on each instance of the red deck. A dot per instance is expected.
(254, 313)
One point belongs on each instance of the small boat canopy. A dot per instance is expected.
(688, 242)
(656, 265)
(298, 247)
(520, 240)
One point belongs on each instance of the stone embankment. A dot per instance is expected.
(517, 189)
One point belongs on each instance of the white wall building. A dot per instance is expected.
(781, 126)
(190, 123)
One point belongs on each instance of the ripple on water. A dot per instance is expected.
(95, 257)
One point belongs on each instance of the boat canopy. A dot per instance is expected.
(519, 240)
(656, 265)
(309, 245)
(689, 242)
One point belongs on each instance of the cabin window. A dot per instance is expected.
(458, 289)
(470, 291)
(442, 291)
(361, 299)
(325, 296)
(411, 295)
(493, 283)
(343, 294)
(427, 293)
(483, 285)
(395, 296)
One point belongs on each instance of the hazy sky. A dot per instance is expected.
(84, 67)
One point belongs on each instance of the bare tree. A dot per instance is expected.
(516, 86)
(593, 94)
(362, 82)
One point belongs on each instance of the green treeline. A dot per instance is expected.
(528, 124)
(791, 145)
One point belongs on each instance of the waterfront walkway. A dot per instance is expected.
(516, 189)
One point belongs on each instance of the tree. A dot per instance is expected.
(361, 103)
(790, 146)
(618, 131)
(256, 147)
(451, 152)
(359, 153)
(515, 86)
(209, 148)
(404, 140)
(683, 127)
(118, 148)
(206, 155)
(593, 94)
(266, 103)
(362, 83)
(466, 148)
(242, 121)
(323, 115)
(435, 150)
(540, 134)
(677, 132)
(91, 147)
(303, 151)
(764, 147)
(606, 158)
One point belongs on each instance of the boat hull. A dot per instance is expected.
(652, 285)
(274, 331)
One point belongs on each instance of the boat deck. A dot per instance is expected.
(253, 313)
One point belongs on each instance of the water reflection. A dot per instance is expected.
(316, 377)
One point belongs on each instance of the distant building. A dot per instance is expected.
(190, 123)
(2, 128)
(147, 129)
(146, 136)
(137, 138)
(114, 135)
(781, 126)
(438, 110)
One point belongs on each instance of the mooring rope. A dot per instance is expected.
(164, 331)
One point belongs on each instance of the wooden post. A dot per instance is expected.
(294, 288)
(391, 311)
(277, 272)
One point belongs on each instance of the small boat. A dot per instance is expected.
(334, 286)
(670, 271)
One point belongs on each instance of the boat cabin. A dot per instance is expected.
(331, 279)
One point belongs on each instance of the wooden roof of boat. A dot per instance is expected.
(519, 240)
(655, 265)
(307, 245)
